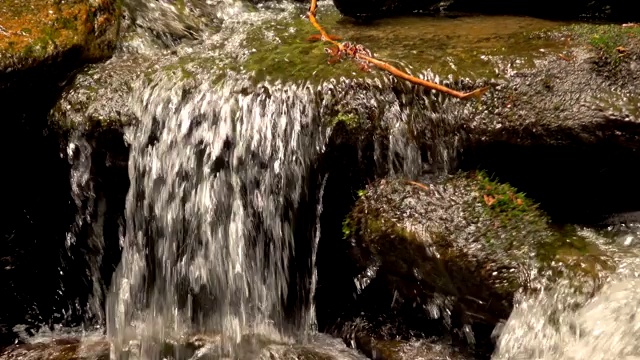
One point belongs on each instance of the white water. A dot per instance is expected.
(217, 171)
(550, 326)
(216, 178)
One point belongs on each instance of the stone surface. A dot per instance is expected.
(459, 249)
(198, 347)
(568, 126)
(42, 31)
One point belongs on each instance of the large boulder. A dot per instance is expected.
(603, 9)
(458, 249)
(42, 32)
(567, 126)
(41, 43)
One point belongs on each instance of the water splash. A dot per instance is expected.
(560, 324)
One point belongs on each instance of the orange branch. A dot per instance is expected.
(324, 36)
(422, 186)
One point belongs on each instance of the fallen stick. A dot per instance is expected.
(360, 53)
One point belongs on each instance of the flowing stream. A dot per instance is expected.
(220, 166)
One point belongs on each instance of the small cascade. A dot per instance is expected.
(221, 222)
(89, 214)
(216, 178)
(218, 172)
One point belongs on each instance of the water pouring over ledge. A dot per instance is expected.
(215, 182)
(219, 166)
(170, 96)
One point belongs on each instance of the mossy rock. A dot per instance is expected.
(274, 49)
(570, 97)
(461, 248)
(40, 31)
(614, 43)
(98, 98)
(413, 44)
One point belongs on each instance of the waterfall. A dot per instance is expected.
(216, 178)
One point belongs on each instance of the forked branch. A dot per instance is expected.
(365, 58)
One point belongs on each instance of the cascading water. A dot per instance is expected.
(217, 171)
(216, 178)
(219, 165)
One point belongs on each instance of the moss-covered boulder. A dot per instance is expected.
(567, 126)
(99, 96)
(41, 31)
(459, 249)
(592, 85)
(271, 46)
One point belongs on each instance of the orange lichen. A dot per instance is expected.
(38, 28)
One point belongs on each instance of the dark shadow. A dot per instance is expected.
(574, 183)
(42, 280)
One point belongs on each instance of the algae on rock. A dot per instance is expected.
(40, 31)
(460, 248)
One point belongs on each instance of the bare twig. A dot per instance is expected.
(359, 53)
(420, 185)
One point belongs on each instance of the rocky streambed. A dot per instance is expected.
(419, 221)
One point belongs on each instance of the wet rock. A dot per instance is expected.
(59, 349)
(419, 349)
(556, 326)
(580, 92)
(41, 32)
(271, 46)
(382, 339)
(199, 347)
(98, 99)
(458, 249)
(570, 125)
(604, 9)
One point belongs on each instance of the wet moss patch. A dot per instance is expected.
(464, 245)
(280, 50)
(39, 29)
(612, 42)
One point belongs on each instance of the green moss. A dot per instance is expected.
(349, 119)
(560, 250)
(42, 30)
(605, 38)
(348, 228)
(504, 200)
(181, 6)
(291, 56)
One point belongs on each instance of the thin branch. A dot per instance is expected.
(420, 185)
(359, 53)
